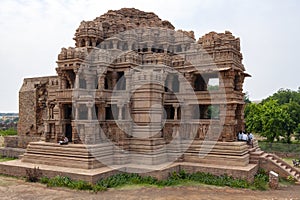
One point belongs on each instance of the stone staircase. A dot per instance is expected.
(279, 166)
(255, 153)
(71, 155)
(218, 153)
(271, 162)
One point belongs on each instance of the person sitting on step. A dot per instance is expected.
(65, 141)
(244, 137)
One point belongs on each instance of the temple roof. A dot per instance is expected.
(115, 21)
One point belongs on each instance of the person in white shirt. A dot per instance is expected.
(240, 136)
(65, 141)
(250, 139)
(244, 137)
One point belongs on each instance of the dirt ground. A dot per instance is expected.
(11, 188)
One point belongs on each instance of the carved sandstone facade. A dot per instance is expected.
(47, 108)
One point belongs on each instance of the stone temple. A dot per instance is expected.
(136, 95)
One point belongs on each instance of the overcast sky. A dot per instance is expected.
(33, 32)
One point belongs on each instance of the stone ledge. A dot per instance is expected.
(18, 168)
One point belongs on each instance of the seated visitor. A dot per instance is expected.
(244, 137)
(250, 139)
(65, 141)
(240, 136)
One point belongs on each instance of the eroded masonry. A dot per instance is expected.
(134, 93)
(123, 41)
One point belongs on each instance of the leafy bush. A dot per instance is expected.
(33, 175)
(7, 132)
(290, 179)
(3, 159)
(260, 182)
(61, 181)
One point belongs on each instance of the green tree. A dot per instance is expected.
(273, 119)
(293, 110)
(269, 119)
(277, 115)
(253, 117)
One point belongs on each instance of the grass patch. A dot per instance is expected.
(289, 160)
(3, 159)
(182, 178)
(8, 132)
(279, 147)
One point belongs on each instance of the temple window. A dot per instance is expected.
(67, 111)
(169, 112)
(236, 82)
(108, 81)
(175, 83)
(178, 48)
(110, 111)
(206, 82)
(82, 43)
(214, 112)
(213, 84)
(83, 112)
(125, 47)
(206, 111)
(68, 85)
(82, 83)
(172, 83)
(199, 83)
(121, 81)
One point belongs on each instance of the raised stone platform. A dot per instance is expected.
(93, 162)
(71, 155)
(217, 153)
(18, 168)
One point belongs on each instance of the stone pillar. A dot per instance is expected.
(120, 114)
(170, 83)
(61, 111)
(46, 132)
(114, 79)
(76, 106)
(63, 82)
(127, 80)
(76, 79)
(165, 46)
(273, 180)
(115, 44)
(127, 111)
(101, 112)
(176, 105)
(89, 105)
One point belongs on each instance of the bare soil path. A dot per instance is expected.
(11, 188)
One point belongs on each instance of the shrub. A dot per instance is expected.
(261, 180)
(7, 132)
(117, 180)
(290, 179)
(33, 175)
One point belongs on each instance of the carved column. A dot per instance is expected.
(63, 82)
(120, 108)
(76, 106)
(90, 105)
(76, 78)
(170, 83)
(176, 106)
(114, 79)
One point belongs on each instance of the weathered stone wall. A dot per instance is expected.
(31, 113)
(11, 152)
(11, 141)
